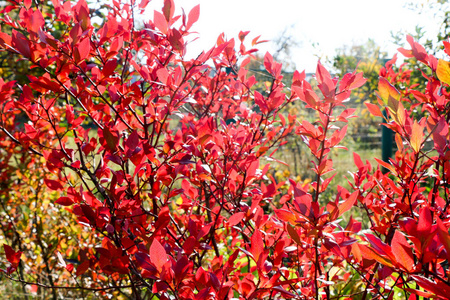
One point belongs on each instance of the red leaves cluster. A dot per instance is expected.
(159, 158)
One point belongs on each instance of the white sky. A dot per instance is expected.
(330, 24)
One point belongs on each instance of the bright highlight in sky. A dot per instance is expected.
(320, 26)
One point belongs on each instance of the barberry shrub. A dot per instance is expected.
(156, 167)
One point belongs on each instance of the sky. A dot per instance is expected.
(319, 26)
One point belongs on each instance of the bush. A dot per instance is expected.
(155, 167)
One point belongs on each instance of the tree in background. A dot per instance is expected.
(369, 59)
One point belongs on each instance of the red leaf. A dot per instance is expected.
(443, 236)
(69, 267)
(424, 226)
(160, 22)
(438, 289)
(286, 216)
(82, 50)
(205, 230)
(347, 204)
(163, 75)
(374, 109)
(406, 53)
(352, 81)
(402, 251)
(447, 47)
(70, 116)
(21, 43)
(268, 62)
(415, 292)
(326, 84)
(311, 98)
(256, 41)
(82, 14)
(417, 50)
(158, 255)
(242, 35)
(176, 39)
(380, 247)
(31, 132)
(111, 139)
(5, 40)
(194, 14)
(82, 268)
(76, 164)
(53, 184)
(37, 21)
(132, 142)
(64, 201)
(143, 260)
(385, 164)
(261, 102)
(143, 4)
(109, 67)
(357, 160)
(12, 256)
(236, 218)
(168, 9)
(257, 246)
(440, 133)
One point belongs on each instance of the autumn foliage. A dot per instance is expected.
(129, 170)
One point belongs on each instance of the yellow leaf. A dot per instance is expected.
(386, 91)
(416, 136)
(401, 115)
(443, 71)
(393, 106)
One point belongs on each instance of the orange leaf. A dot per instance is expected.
(386, 165)
(293, 234)
(27, 3)
(416, 137)
(368, 253)
(401, 114)
(386, 90)
(286, 216)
